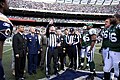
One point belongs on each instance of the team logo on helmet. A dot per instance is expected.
(8, 32)
(6, 24)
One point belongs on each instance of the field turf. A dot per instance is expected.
(7, 55)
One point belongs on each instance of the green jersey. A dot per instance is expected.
(83, 40)
(114, 38)
(86, 41)
(105, 36)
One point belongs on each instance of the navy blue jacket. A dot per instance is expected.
(33, 44)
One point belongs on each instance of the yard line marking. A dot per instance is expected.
(7, 50)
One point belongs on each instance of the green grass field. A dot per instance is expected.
(40, 74)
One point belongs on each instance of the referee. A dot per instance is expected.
(72, 41)
(51, 50)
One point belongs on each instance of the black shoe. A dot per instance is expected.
(87, 68)
(47, 76)
(63, 69)
(75, 68)
(94, 74)
(56, 73)
(16, 78)
(42, 68)
(34, 72)
(30, 73)
(90, 77)
(21, 78)
(70, 66)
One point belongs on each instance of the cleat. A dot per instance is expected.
(90, 77)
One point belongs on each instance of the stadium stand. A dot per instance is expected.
(65, 7)
(55, 20)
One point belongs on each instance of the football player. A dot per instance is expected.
(5, 31)
(83, 53)
(105, 48)
(104, 34)
(90, 43)
(113, 57)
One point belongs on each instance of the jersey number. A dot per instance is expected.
(105, 34)
(86, 38)
(113, 37)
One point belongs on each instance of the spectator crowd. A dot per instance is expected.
(65, 7)
(55, 19)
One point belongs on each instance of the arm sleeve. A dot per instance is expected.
(41, 42)
(15, 44)
(38, 44)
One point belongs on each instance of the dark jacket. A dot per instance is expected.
(33, 44)
(19, 44)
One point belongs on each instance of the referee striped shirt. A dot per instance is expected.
(52, 40)
(72, 38)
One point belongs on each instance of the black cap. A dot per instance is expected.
(71, 29)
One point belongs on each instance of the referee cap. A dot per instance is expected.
(71, 29)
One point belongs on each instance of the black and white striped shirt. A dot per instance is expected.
(72, 38)
(52, 40)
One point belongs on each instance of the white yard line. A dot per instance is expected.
(7, 50)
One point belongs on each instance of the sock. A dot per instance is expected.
(106, 75)
(87, 60)
(118, 78)
(92, 66)
(112, 73)
(82, 61)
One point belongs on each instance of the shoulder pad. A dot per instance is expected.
(92, 31)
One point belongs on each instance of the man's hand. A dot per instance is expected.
(58, 44)
(38, 52)
(17, 55)
(41, 49)
(70, 43)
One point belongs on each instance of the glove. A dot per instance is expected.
(88, 54)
